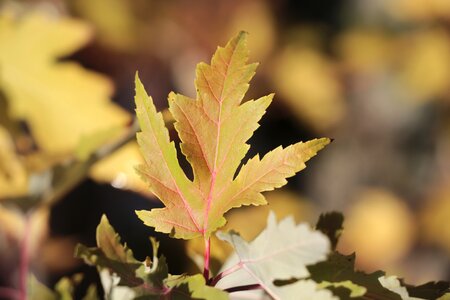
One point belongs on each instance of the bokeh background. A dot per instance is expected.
(373, 75)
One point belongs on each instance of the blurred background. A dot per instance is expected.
(373, 75)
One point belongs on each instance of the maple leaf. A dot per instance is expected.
(53, 97)
(341, 268)
(213, 130)
(280, 252)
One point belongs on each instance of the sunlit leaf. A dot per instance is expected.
(213, 130)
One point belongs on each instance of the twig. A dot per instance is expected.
(227, 272)
(241, 288)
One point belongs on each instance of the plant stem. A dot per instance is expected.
(9, 293)
(243, 288)
(227, 272)
(207, 258)
(24, 258)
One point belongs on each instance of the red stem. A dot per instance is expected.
(226, 272)
(24, 259)
(207, 258)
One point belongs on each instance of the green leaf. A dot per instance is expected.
(111, 254)
(444, 297)
(213, 130)
(154, 271)
(38, 291)
(355, 290)
(281, 252)
(331, 224)
(193, 287)
(429, 290)
(339, 268)
(145, 278)
(91, 293)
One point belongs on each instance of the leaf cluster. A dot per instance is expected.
(286, 260)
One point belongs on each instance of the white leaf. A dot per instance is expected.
(393, 284)
(281, 251)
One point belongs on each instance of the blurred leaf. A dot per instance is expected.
(38, 291)
(306, 80)
(65, 287)
(418, 10)
(365, 50)
(391, 227)
(331, 224)
(282, 251)
(90, 143)
(340, 268)
(60, 101)
(435, 215)
(426, 52)
(260, 25)
(114, 21)
(118, 168)
(91, 293)
(13, 176)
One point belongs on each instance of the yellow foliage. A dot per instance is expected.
(379, 225)
(419, 10)
(13, 176)
(119, 169)
(426, 60)
(306, 79)
(435, 217)
(256, 18)
(365, 50)
(113, 20)
(60, 101)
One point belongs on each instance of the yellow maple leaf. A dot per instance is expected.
(61, 101)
